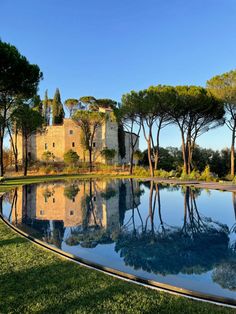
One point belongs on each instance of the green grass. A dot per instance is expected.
(10, 183)
(34, 280)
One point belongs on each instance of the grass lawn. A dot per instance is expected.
(10, 183)
(33, 280)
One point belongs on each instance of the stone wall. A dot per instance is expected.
(60, 138)
(128, 146)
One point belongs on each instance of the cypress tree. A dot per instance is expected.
(57, 109)
(46, 113)
(121, 141)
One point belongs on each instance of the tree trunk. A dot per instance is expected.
(132, 145)
(150, 158)
(2, 133)
(190, 155)
(149, 145)
(159, 207)
(24, 201)
(151, 204)
(188, 150)
(156, 161)
(189, 158)
(1, 207)
(25, 155)
(90, 160)
(184, 153)
(1, 155)
(232, 153)
(131, 162)
(14, 147)
(16, 153)
(157, 150)
(234, 202)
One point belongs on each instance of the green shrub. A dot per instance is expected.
(71, 158)
(165, 174)
(194, 175)
(161, 173)
(234, 180)
(141, 172)
(108, 154)
(229, 177)
(48, 156)
(206, 175)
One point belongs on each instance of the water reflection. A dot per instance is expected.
(133, 217)
(90, 209)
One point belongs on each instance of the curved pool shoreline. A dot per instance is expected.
(222, 301)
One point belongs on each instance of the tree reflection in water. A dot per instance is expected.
(91, 232)
(144, 242)
(199, 246)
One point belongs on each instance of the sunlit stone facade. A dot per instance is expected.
(58, 139)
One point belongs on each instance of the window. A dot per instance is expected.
(94, 198)
(41, 212)
(53, 144)
(73, 144)
(73, 199)
(94, 144)
(46, 146)
(71, 132)
(53, 200)
(71, 212)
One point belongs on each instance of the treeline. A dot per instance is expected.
(194, 110)
(171, 159)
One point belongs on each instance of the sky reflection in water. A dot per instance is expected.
(176, 235)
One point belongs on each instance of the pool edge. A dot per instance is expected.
(220, 301)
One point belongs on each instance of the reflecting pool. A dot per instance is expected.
(180, 236)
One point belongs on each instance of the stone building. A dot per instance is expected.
(58, 139)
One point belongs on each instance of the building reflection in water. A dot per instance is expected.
(85, 207)
(88, 213)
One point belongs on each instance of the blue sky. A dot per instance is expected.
(106, 48)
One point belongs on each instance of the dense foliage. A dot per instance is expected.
(224, 88)
(58, 113)
(18, 80)
(171, 159)
(108, 154)
(71, 157)
(71, 104)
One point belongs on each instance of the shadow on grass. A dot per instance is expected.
(58, 288)
(64, 287)
(11, 241)
(33, 280)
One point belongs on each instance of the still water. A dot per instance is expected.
(180, 236)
